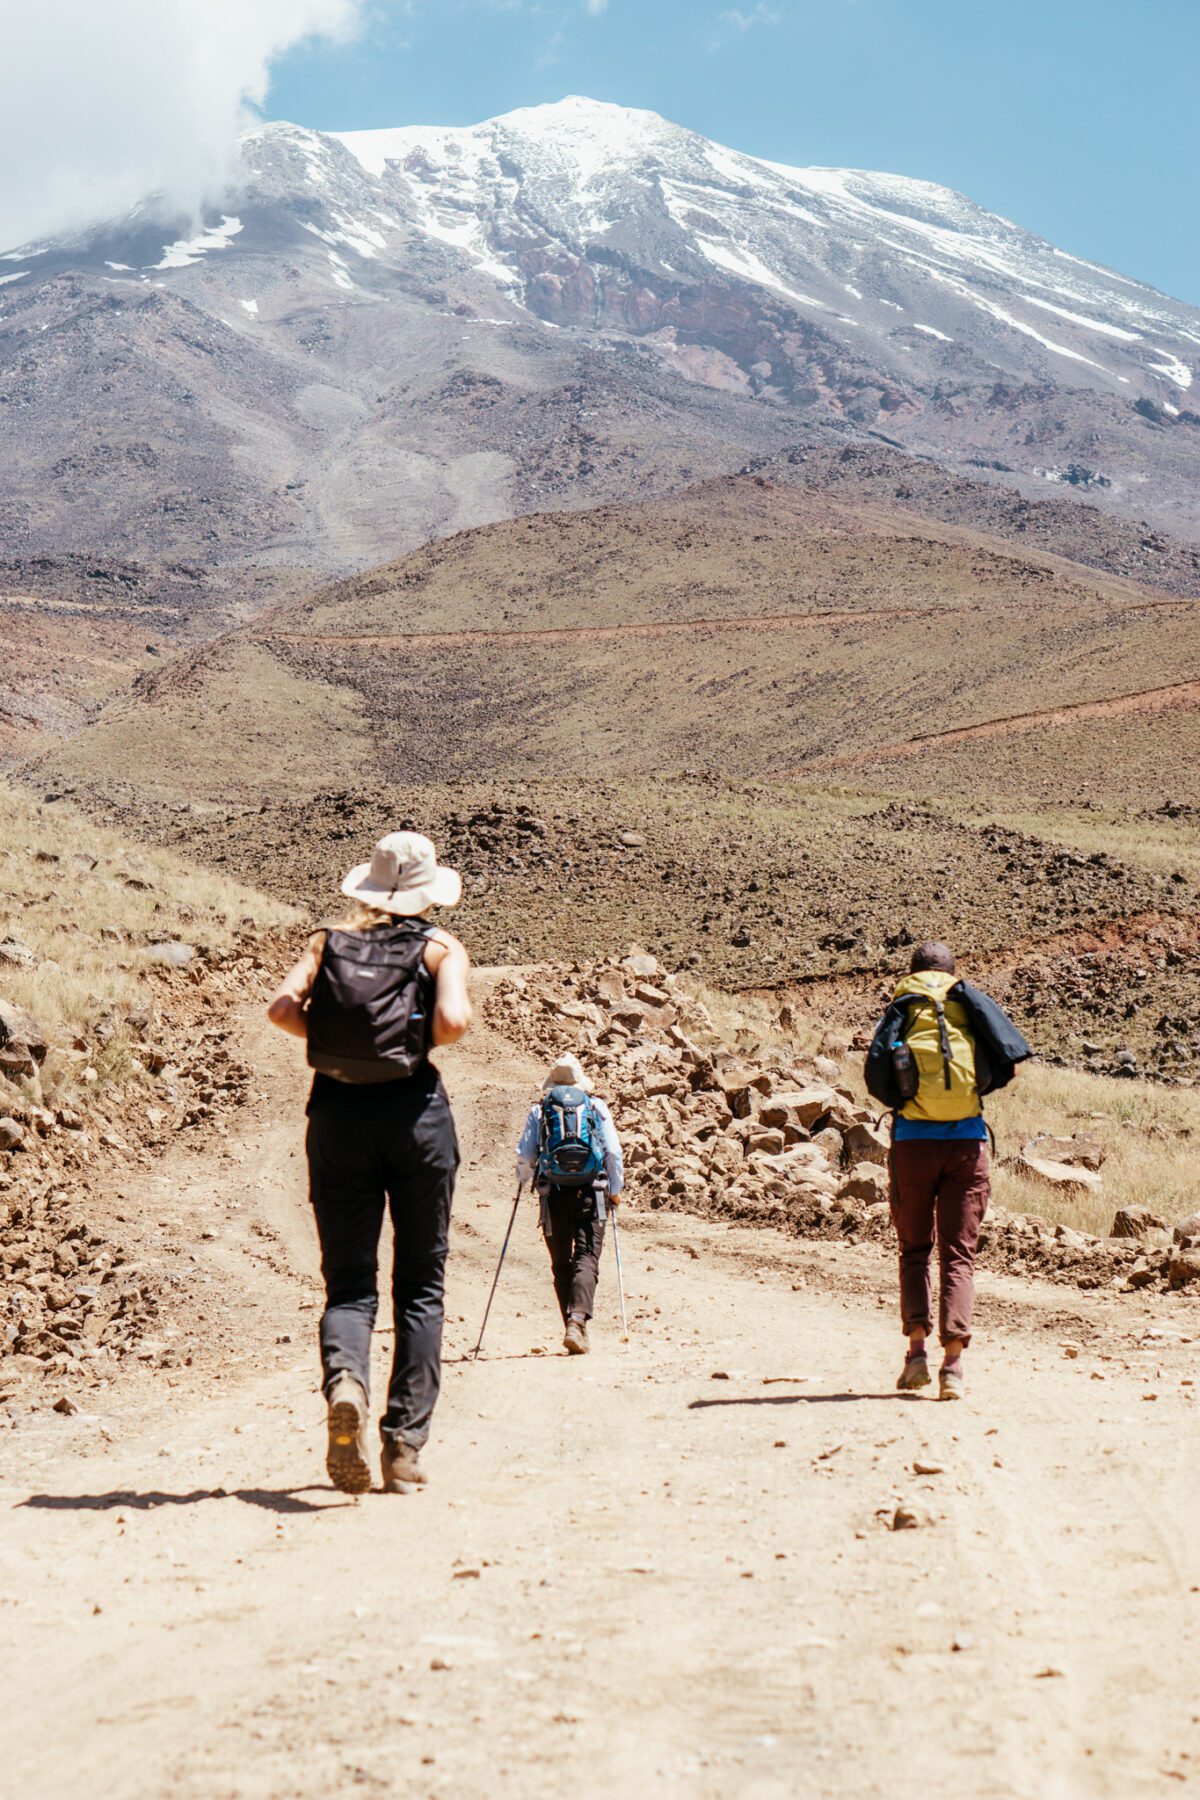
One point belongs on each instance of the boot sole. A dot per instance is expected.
(345, 1462)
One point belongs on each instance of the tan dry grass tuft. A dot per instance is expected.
(1151, 1134)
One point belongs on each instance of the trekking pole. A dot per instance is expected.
(620, 1278)
(496, 1277)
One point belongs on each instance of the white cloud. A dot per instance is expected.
(106, 101)
(743, 21)
(596, 7)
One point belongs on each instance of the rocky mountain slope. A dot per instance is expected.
(386, 336)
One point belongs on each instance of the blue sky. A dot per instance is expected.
(1077, 120)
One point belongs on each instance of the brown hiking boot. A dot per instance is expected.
(950, 1382)
(346, 1458)
(402, 1471)
(914, 1374)
(575, 1343)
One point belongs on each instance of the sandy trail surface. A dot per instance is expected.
(664, 1568)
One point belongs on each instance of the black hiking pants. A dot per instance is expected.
(574, 1237)
(388, 1144)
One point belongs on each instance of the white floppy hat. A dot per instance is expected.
(567, 1072)
(403, 876)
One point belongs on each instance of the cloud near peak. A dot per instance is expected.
(106, 103)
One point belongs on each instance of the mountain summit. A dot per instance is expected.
(869, 258)
(378, 336)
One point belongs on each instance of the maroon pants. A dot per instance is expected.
(940, 1186)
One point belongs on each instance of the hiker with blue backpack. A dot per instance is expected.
(939, 1048)
(571, 1154)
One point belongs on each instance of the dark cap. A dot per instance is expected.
(932, 956)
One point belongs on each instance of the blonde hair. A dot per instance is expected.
(362, 917)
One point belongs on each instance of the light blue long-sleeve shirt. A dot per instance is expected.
(610, 1143)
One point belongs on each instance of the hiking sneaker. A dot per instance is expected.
(346, 1458)
(575, 1343)
(402, 1471)
(914, 1374)
(950, 1383)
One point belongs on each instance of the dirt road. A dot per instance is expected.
(665, 1568)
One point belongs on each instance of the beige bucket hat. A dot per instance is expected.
(567, 1072)
(403, 876)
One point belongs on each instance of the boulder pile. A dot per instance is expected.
(772, 1134)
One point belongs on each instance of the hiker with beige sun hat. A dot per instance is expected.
(372, 994)
(571, 1154)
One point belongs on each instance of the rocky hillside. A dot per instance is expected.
(388, 336)
(119, 969)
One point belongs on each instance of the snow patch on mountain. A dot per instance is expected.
(189, 250)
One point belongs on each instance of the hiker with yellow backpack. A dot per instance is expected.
(939, 1048)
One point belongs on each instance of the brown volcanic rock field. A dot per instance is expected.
(756, 887)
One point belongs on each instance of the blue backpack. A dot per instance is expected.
(570, 1153)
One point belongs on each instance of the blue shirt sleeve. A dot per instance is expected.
(614, 1161)
(527, 1149)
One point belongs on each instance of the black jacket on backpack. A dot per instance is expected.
(999, 1046)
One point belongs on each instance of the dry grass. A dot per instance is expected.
(1151, 1134)
(89, 927)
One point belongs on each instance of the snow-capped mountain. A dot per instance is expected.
(381, 334)
(565, 207)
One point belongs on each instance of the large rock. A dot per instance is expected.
(16, 954)
(866, 1144)
(1135, 1222)
(799, 1106)
(12, 1135)
(1183, 1270)
(609, 987)
(639, 964)
(1188, 1228)
(1046, 1159)
(170, 955)
(866, 1182)
(23, 1043)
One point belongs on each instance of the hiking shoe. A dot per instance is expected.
(915, 1374)
(346, 1458)
(950, 1383)
(576, 1340)
(402, 1471)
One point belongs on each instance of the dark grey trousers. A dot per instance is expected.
(574, 1239)
(393, 1144)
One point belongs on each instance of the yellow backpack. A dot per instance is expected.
(939, 1036)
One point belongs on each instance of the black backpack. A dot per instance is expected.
(371, 1009)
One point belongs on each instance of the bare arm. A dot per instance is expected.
(448, 962)
(289, 1008)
